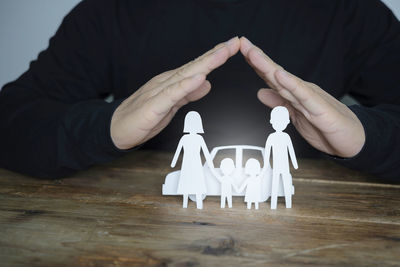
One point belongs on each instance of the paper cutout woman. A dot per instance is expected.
(192, 180)
(280, 143)
(252, 184)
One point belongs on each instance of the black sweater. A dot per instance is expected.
(53, 119)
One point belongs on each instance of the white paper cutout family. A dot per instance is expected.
(196, 181)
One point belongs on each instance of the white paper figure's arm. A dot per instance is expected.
(207, 155)
(236, 187)
(177, 152)
(219, 177)
(267, 152)
(243, 186)
(215, 174)
(291, 153)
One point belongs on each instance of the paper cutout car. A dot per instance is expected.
(213, 185)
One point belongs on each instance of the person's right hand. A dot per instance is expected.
(149, 110)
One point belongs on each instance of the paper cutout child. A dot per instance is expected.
(252, 184)
(227, 167)
(192, 180)
(280, 143)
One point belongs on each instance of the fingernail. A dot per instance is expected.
(231, 41)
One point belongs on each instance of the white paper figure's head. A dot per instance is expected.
(227, 166)
(252, 167)
(279, 118)
(193, 123)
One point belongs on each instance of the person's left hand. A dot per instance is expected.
(327, 124)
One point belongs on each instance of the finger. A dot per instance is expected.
(266, 69)
(162, 103)
(207, 62)
(232, 44)
(260, 62)
(166, 75)
(199, 93)
(203, 64)
(304, 95)
(272, 99)
(217, 47)
(163, 76)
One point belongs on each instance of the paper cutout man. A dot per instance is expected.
(252, 184)
(280, 143)
(227, 167)
(192, 180)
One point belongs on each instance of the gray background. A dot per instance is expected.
(27, 25)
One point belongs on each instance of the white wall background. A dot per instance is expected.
(27, 25)
(25, 29)
(394, 5)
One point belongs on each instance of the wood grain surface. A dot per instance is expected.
(115, 215)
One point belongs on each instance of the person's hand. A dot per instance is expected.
(327, 124)
(149, 110)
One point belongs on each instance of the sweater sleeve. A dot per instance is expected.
(54, 120)
(372, 69)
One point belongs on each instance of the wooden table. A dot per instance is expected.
(115, 215)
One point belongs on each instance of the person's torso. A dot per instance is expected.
(155, 36)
